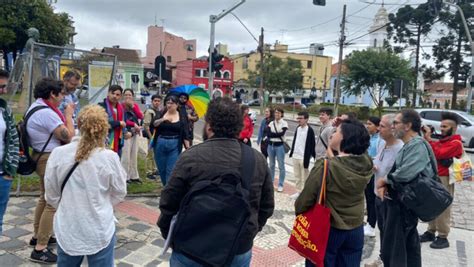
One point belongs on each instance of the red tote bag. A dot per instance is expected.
(310, 233)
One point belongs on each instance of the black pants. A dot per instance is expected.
(370, 202)
(380, 211)
(400, 243)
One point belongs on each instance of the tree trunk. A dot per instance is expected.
(417, 63)
(455, 66)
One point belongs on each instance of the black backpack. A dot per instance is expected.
(27, 164)
(214, 213)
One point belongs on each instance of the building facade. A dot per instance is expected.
(129, 69)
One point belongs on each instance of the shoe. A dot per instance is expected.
(295, 196)
(377, 263)
(427, 237)
(440, 243)
(138, 181)
(151, 176)
(369, 231)
(51, 241)
(280, 188)
(44, 256)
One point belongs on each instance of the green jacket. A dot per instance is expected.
(11, 154)
(347, 178)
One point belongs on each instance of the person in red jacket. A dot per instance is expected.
(247, 131)
(448, 147)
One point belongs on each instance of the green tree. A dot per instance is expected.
(450, 49)
(280, 75)
(17, 16)
(370, 69)
(406, 28)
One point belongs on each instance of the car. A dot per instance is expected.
(432, 117)
(295, 104)
(253, 102)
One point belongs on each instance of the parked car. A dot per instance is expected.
(466, 123)
(253, 102)
(295, 104)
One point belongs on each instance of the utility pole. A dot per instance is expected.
(213, 19)
(339, 67)
(261, 91)
(160, 74)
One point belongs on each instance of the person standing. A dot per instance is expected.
(47, 129)
(262, 139)
(190, 113)
(276, 134)
(114, 109)
(133, 116)
(348, 175)
(71, 81)
(401, 242)
(448, 147)
(322, 139)
(84, 221)
(9, 148)
(150, 114)
(247, 132)
(302, 150)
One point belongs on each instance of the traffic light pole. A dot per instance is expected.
(261, 50)
(213, 19)
(337, 92)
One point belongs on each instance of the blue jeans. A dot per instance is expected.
(179, 260)
(166, 155)
(279, 153)
(103, 258)
(5, 186)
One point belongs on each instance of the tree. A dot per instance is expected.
(280, 75)
(17, 16)
(374, 71)
(450, 49)
(407, 27)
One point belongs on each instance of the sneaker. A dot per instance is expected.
(377, 263)
(138, 181)
(280, 188)
(151, 176)
(295, 196)
(33, 241)
(44, 256)
(440, 243)
(369, 231)
(427, 237)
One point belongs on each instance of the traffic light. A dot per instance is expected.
(434, 7)
(216, 58)
(319, 2)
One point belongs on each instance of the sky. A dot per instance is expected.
(298, 23)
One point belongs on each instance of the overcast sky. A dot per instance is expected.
(297, 23)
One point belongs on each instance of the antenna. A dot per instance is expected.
(155, 20)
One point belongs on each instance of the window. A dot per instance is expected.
(168, 58)
(245, 63)
(433, 115)
(226, 75)
(309, 65)
(197, 73)
(218, 74)
(205, 73)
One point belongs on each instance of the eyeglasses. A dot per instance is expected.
(396, 122)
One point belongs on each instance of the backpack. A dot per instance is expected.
(214, 213)
(27, 165)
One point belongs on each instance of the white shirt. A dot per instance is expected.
(279, 127)
(300, 142)
(3, 131)
(40, 125)
(84, 220)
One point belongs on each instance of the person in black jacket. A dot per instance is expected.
(302, 149)
(220, 152)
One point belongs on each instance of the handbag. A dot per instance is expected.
(425, 196)
(461, 169)
(310, 233)
(285, 144)
(142, 143)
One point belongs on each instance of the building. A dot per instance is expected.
(439, 94)
(195, 72)
(129, 68)
(378, 31)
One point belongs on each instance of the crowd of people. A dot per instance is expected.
(85, 156)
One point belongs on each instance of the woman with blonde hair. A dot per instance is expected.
(84, 180)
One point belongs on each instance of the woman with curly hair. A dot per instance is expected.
(84, 222)
(348, 175)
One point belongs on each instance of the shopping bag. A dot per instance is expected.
(310, 232)
(142, 144)
(461, 169)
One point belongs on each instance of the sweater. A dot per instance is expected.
(11, 155)
(446, 148)
(309, 149)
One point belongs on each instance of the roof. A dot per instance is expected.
(123, 55)
(441, 87)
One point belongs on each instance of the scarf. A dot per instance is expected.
(55, 109)
(116, 135)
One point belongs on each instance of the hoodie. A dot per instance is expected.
(445, 149)
(346, 181)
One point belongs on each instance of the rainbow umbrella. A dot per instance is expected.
(198, 97)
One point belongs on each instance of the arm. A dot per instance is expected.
(309, 195)
(260, 131)
(148, 117)
(13, 144)
(193, 117)
(267, 202)
(447, 150)
(117, 180)
(66, 132)
(52, 182)
(271, 134)
(137, 111)
(414, 160)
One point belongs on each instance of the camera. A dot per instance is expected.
(429, 126)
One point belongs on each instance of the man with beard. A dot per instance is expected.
(448, 147)
(401, 242)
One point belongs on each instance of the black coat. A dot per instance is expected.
(309, 149)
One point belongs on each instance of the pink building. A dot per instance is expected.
(175, 48)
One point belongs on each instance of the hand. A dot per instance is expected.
(122, 124)
(137, 128)
(128, 135)
(186, 144)
(246, 140)
(381, 192)
(381, 187)
(426, 132)
(69, 110)
(375, 168)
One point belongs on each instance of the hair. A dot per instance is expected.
(374, 120)
(351, 115)
(115, 87)
(280, 110)
(243, 108)
(72, 73)
(305, 114)
(4, 74)
(173, 98)
(355, 137)
(411, 116)
(129, 90)
(449, 116)
(390, 117)
(326, 110)
(153, 97)
(272, 113)
(46, 86)
(94, 126)
(224, 117)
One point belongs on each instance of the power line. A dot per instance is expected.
(232, 13)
